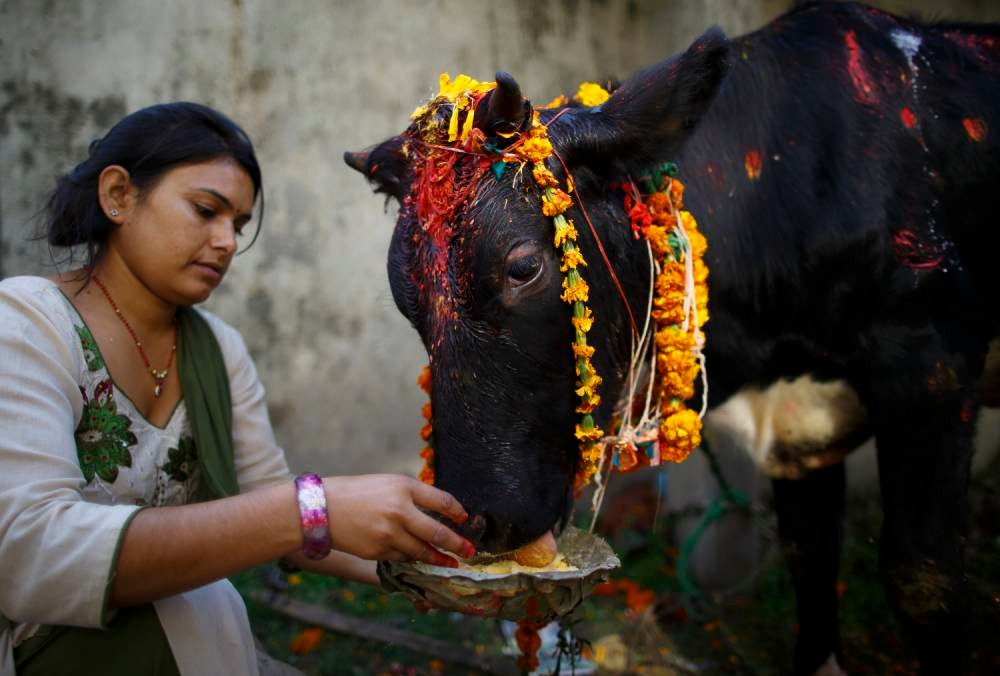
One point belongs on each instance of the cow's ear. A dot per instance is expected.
(385, 165)
(655, 110)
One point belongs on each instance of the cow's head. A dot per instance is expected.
(473, 267)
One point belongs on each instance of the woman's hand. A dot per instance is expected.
(378, 516)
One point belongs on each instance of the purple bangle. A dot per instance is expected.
(315, 521)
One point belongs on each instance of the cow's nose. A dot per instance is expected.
(473, 529)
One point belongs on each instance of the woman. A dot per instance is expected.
(139, 468)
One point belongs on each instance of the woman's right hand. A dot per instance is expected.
(379, 517)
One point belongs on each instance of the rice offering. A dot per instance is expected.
(505, 588)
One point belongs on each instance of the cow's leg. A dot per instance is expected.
(810, 525)
(923, 409)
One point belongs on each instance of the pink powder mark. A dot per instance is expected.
(908, 118)
(913, 253)
(863, 86)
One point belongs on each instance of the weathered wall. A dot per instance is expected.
(308, 79)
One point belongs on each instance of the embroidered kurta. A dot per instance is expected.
(78, 460)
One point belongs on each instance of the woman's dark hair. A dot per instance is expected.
(148, 143)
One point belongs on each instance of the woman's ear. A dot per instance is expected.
(116, 193)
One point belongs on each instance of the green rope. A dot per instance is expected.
(728, 500)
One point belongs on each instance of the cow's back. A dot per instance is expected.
(844, 175)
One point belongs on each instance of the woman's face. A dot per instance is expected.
(181, 235)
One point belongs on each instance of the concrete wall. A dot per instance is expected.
(309, 79)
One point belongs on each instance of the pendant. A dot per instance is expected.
(156, 391)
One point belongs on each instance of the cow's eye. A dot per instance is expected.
(523, 269)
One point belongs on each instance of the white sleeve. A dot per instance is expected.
(259, 460)
(58, 553)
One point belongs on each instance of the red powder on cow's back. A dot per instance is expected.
(908, 118)
(752, 162)
(975, 127)
(863, 86)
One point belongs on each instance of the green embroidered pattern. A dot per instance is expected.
(103, 436)
(90, 352)
(181, 461)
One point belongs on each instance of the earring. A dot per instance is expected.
(114, 212)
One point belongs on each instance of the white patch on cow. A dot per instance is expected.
(908, 43)
(830, 668)
(792, 425)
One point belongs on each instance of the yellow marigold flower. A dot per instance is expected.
(557, 102)
(699, 245)
(565, 231)
(593, 434)
(677, 382)
(462, 85)
(700, 271)
(544, 177)
(583, 324)
(577, 291)
(572, 259)
(680, 434)
(584, 351)
(534, 149)
(558, 203)
(591, 94)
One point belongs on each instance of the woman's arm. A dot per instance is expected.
(167, 550)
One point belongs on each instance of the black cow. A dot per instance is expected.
(841, 162)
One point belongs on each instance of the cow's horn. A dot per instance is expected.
(505, 111)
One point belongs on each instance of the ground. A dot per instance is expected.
(744, 633)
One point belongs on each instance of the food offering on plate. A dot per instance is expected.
(562, 573)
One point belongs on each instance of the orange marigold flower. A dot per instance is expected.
(657, 236)
(558, 203)
(583, 351)
(427, 453)
(575, 291)
(424, 379)
(544, 177)
(674, 340)
(565, 231)
(670, 279)
(426, 431)
(591, 94)
(680, 434)
(677, 193)
(307, 640)
(571, 259)
(427, 475)
(584, 323)
(426, 410)
(534, 149)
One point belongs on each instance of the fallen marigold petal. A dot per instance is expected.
(591, 94)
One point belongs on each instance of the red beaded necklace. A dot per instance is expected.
(158, 376)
